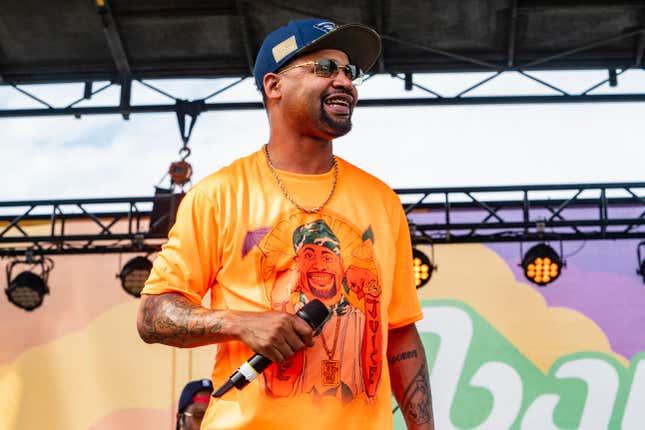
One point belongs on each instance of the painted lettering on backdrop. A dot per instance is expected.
(481, 381)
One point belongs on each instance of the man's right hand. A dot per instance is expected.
(172, 319)
(275, 335)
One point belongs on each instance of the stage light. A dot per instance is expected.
(27, 290)
(134, 275)
(422, 268)
(541, 264)
(164, 209)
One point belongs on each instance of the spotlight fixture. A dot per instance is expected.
(134, 275)
(541, 264)
(27, 290)
(641, 261)
(422, 268)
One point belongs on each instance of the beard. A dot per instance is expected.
(323, 293)
(336, 126)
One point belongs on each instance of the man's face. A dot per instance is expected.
(194, 413)
(322, 106)
(321, 271)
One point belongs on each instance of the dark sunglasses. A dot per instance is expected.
(328, 68)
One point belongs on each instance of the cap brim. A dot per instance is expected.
(361, 44)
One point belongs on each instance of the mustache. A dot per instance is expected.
(345, 91)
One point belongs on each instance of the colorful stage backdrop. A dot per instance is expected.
(503, 354)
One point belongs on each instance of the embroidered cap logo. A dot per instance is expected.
(325, 27)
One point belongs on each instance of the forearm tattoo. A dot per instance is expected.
(417, 400)
(403, 356)
(175, 320)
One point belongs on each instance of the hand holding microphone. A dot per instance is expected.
(313, 314)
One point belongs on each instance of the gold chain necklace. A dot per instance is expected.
(285, 192)
(331, 351)
(330, 368)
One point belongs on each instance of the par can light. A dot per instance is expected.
(422, 268)
(134, 275)
(27, 290)
(542, 264)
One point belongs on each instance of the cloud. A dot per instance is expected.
(100, 156)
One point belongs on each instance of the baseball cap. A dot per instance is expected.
(192, 388)
(361, 44)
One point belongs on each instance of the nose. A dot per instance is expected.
(342, 80)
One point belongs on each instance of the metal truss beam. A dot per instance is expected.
(640, 46)
(379, 25)
(522, 213)
(85, 226)
(246, 35)
(393, 102)
(479, 63)
(512, 34)
(3, 61)
(595, 44)
(439, 215)
(115, 42)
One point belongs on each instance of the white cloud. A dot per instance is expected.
(99, 156)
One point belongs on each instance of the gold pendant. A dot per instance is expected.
(330, 370)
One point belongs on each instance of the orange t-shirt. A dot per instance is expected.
(237, 236)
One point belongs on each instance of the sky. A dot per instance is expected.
(438, 146)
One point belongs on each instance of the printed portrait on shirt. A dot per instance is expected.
(322, 256)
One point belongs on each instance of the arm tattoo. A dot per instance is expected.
(403, 356)
(174, 320)
(417, 398)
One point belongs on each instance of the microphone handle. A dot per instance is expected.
(249, 370)
(257, 364)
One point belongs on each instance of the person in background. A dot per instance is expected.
(193, 403)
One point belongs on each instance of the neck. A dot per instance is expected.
(303, 154)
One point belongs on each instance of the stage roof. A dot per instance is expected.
(84, 40)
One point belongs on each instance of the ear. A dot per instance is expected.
(272, 88)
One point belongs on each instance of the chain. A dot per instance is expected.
(184, 151)
(286, 193)
(332, 351)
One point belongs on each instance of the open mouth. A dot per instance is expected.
(339, 103)
(320, 279)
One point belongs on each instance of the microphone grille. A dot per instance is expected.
(314, 312)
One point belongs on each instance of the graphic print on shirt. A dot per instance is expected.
(323, 256)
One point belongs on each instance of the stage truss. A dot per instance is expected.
(404, 58)
(442, 215)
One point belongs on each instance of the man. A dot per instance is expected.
(193, 403)
(234, 237)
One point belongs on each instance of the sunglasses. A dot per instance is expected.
(327, 68)
(197, 415)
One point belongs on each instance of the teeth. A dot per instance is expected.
(338, 101)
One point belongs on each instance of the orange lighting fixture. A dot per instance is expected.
(422, 268)
(542, 264)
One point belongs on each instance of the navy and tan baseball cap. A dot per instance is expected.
(361, 44)
(190, 390)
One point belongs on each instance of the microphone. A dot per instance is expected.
(313, 313)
